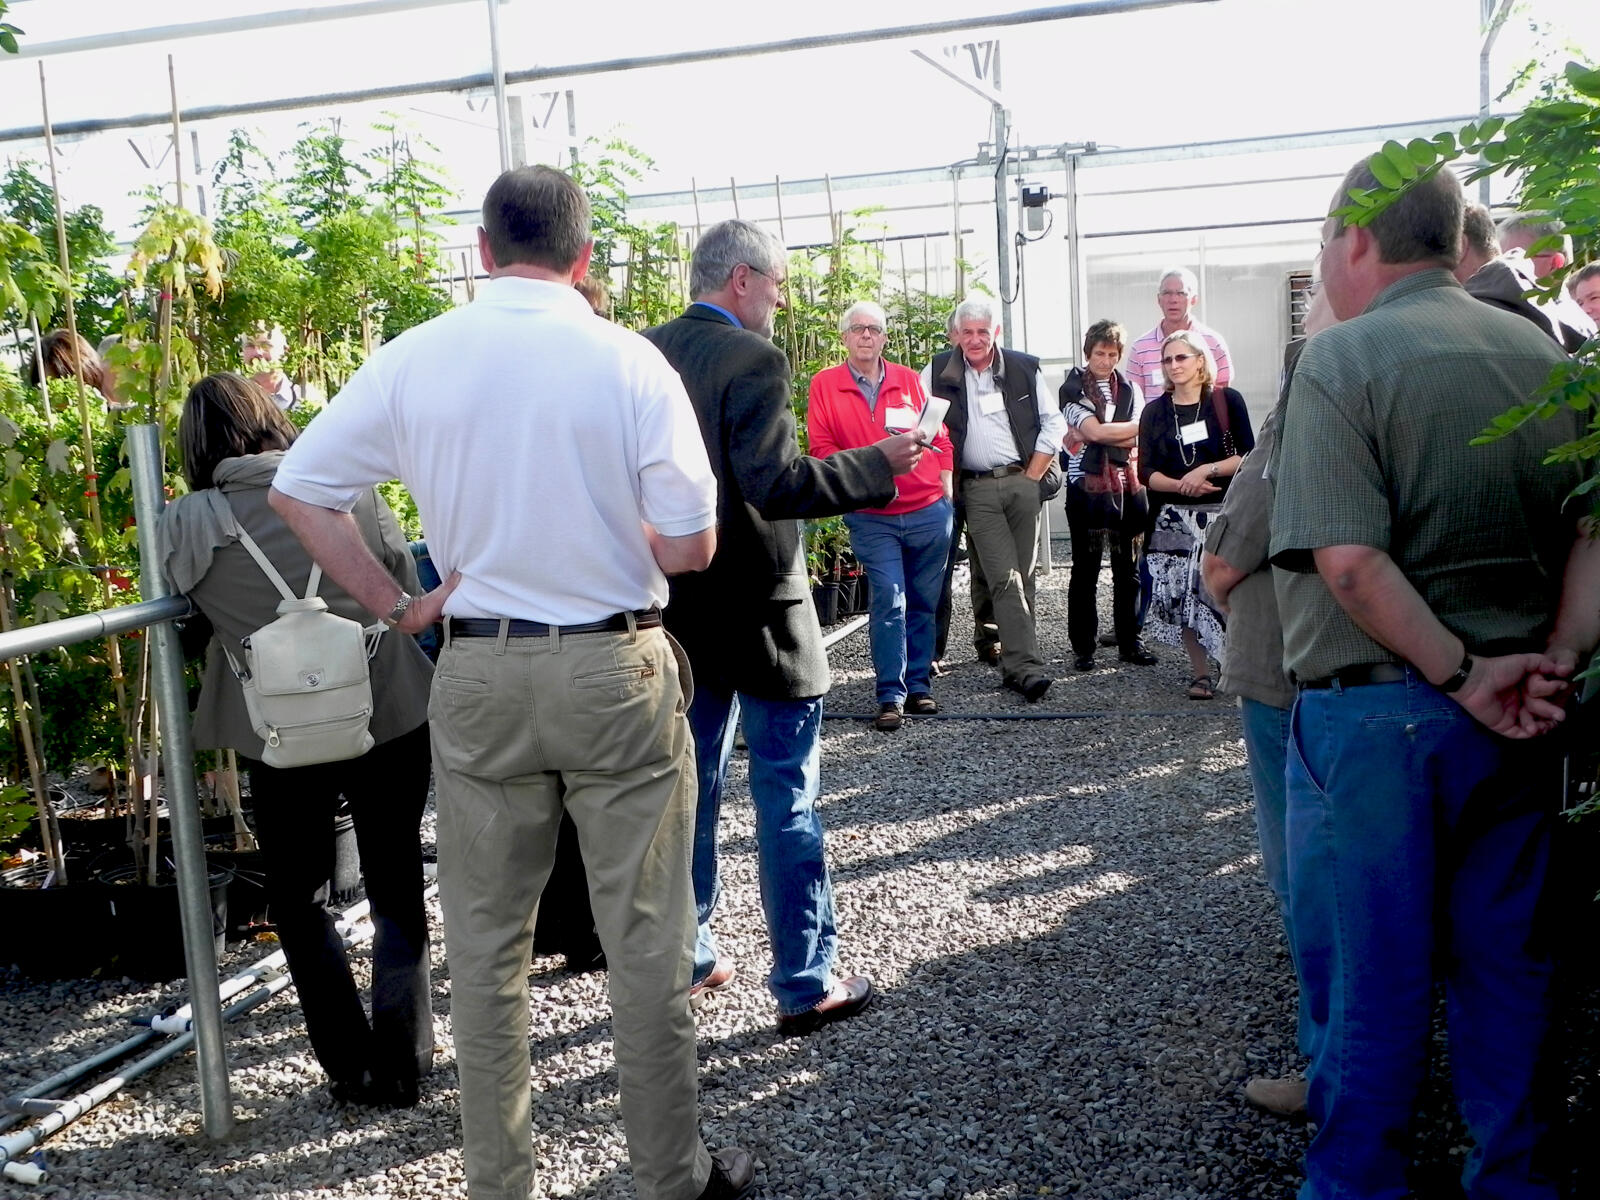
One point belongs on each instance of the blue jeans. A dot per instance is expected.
(1417, 837)
(796, 893)
(1266, 740)
(904, 556)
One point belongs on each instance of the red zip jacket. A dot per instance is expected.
(837, 418)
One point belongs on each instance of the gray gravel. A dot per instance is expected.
(1079, 967)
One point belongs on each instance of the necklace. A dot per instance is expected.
(1186, 452)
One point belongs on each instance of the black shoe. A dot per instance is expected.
(1108, 640)
(733, 1175)
(1139, 656)
(990, 654)
(1030, 690)
(1083, 662)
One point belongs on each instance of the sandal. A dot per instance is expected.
(1200, 688)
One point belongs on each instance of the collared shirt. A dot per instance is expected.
(737, 324)
(1144, 359)
(1375, 451)
(536, 440)
(989, 441)
(869, 388)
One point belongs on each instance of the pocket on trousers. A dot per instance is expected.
(1296, 752)
(619, 680)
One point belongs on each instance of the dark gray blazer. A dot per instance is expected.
(747, 621)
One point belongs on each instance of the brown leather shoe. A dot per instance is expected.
(733, 1175)
(722, 973)
(844, 1000)
(921, 704)
(1280, 1097)
(990, 654)
(889, 718)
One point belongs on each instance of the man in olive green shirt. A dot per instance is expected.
(1418, 580)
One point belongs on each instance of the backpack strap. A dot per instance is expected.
(271, 571)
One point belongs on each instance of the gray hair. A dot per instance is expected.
(975, 308)
(727, 244)
(1191, 285)
(1525, 228)
(863, 306)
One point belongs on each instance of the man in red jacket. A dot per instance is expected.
(902, 545)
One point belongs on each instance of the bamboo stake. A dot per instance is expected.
(788, 283)
(177, 129)
(905, 290)
(733, 190)
(49, 834)
(44, 383)
(694, 190)
(91, 476)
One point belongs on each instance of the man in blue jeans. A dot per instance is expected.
(1419, 576)
(747, 622)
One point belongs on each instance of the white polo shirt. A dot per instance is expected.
(535, 438)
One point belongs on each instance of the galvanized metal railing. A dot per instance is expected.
(157, 612)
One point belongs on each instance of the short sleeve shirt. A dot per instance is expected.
(1376, 452)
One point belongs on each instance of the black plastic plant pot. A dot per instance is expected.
(53, 932)
(145, 928)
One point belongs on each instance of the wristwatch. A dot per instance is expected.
(398, 612)
(1463, 672)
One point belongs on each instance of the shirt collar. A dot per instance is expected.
(861, 378)
(516, 291)
(737, 324)
(1417, 281)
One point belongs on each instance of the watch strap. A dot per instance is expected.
(1462, 673)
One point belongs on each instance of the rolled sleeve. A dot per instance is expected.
(677, 490)
(1052, 425)
(349, 447)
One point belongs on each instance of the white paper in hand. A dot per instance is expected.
(932, 417)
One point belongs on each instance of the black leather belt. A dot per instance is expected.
(1384, 672)
(997, 473)
(489, 627)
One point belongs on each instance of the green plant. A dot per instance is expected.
(26, 199)
(8, 33)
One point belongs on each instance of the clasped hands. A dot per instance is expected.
(1198, 482)
(1520, 696)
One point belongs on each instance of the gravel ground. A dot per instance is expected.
(1078, 960)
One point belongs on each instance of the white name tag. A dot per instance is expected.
(990, 403)
(1193, 432)
(899, 419)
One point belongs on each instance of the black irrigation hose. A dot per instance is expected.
(1018, 716)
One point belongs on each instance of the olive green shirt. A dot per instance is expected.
(1375, 452)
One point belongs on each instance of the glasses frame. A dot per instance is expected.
(1177, 358)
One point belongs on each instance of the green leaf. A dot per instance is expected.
(58, 457)
(48, 605)
(1583, 81)
(8, 41)
(1490, 127)
(1558, 111)
(1423, 153)
(1446, 142)
(14, 463)
(1400, 160)
(1495, 153)
(8, 431)
(1384, 172)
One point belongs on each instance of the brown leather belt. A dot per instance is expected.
(489, 627)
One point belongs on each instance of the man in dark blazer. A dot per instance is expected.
(747, 621)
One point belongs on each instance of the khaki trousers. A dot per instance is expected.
(515, 721)
(1003, 527)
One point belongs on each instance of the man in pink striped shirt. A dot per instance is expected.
(1176, 296)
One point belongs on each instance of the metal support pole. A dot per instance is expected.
(1493, 16)
(183, 803)
(502, 122)
(1002, 224)
(1075, 282)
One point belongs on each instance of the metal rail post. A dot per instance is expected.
(183, 804)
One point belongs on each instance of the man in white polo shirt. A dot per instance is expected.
(560, 474)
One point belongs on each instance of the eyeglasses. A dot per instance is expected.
(1177, 358)
(764, 275)
(1168, 292)
(858, 330)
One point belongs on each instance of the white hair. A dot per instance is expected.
(975, 308)
(727, 244)
(1191, 285)
(875, 311)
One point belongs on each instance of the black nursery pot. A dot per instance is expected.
(55, 932)
(146, 932)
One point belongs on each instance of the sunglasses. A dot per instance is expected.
(1177, 358)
